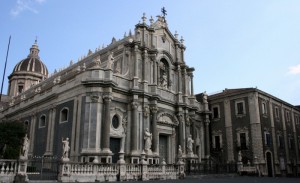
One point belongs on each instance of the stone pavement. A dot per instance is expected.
(227, 179)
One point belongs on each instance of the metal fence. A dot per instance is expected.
(210, 168)
(43, 168)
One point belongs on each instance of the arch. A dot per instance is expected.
(64, 115)
(42, 121)
(167, 119)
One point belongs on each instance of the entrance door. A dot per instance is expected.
(115, 144)
(163, 148)
(269, 164)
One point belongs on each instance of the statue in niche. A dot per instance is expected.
(25, 147)
(164, 80)
(189, 145)
(148, 140)
(163, 75)
(66, 148)
(179, 152)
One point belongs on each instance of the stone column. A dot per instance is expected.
(154, 72)
(207, 144)
(50, 133)
(134, 129)
(144, 66)
(106, 124)
(32, 133)
(192, 84)
(181, 132)
(184, 78)
(135, 78)
(154, 110)
(179, 84)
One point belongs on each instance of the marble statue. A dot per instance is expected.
(189, 145)
(25, 146)
(66, 148)
(148, 140)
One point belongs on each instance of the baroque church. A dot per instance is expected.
(133, 97)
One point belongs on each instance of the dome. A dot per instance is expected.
(32, 63)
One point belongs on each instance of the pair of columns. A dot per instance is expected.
(134, 129)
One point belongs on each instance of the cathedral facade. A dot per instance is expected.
(133, 97)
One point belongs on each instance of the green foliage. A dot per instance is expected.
(11, 135)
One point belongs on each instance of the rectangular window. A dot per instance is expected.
(215, 112)
(20, 88)
(288, 118)
(264, 108)
(276, 112)
(243, 141)
(268, 139)
(291, 143)
(240, 108)
(297, 120)
(217, 142)
(280, 142)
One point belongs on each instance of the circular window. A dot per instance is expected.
(115, 121)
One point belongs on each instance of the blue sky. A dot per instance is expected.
(230, 43)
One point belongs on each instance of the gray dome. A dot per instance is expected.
(32, 63)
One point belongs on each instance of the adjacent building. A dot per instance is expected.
(258, 125)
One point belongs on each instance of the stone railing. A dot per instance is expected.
(8, 170)
(248, 169)
(91, 172)
(82, 172)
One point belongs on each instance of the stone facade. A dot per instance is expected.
(260, 126)
(106, 101)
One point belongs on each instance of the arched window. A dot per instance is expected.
(115, 122)
(64, 115)
(164, 73)
(42, 122)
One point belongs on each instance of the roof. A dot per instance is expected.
(239, 91)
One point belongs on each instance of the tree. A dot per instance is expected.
(11, 135)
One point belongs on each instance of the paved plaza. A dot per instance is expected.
(228, 179)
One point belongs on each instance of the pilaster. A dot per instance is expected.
(255, 127)
(228, 130)
(154, 110)
(134, 130)
(273, 132)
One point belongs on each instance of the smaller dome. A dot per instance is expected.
(32, 63)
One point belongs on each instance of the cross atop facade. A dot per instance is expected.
(164, 11)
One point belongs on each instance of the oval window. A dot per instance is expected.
(115, 121)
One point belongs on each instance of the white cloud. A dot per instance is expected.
(25, 5)
(294, 69)
(40, 1)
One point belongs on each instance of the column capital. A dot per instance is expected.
(180, 117)
(154, 109)
(107, 97)
(134, 105)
